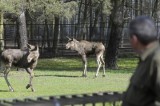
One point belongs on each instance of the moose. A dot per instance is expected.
(19, 58)
(86, 48)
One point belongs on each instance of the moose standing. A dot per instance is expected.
(26, 59)
(85, 48)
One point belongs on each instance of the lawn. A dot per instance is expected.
(62, 76)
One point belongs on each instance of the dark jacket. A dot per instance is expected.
(144, 87)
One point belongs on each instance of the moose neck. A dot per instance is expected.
(79, 48)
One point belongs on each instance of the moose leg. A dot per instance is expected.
(99, 64)
(103, 65)
(84, 59)
(6, 71)
(30, 71)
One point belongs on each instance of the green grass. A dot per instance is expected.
(62, 76)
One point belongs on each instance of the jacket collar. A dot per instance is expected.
(150, 50)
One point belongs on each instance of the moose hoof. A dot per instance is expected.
(11, 90)
(103, 75)
(28, 86)
(96, 76)
(84, 75)
(33, 90)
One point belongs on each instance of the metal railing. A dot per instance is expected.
(102, 99)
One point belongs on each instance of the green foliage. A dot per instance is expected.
(106, 5)
(47, 9)
(12, 6)
(62, 76)
(69, 9)
(40, 9)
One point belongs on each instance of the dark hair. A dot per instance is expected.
(144, 28)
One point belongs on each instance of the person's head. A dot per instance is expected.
(142, 31)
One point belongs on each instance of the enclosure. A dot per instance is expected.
(48, 23)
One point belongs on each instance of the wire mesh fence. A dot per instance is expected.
(38, 34)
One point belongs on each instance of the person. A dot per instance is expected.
(144, 87)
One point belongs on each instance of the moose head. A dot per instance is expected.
(33, 53)
(72, 44)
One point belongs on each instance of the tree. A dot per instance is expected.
(3, 8)
(23, 30)
(101, 8)
(41, 10)
(1, 32)
(131, 9)
(89, 11)
(17, 7)
(52, 10)
(116, 25)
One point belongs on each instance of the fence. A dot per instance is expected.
(44, 34)
(100, 99)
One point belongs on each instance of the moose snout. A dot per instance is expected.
(67, 47)
(29, 59)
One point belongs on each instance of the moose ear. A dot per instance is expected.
(68, 38)
(31, 47)
(37, 48)
(75, 40)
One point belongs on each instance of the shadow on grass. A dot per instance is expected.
(71, 76)
(126, 65)
(121, 70)
(4, 91)
(90, 69)
(59, 68)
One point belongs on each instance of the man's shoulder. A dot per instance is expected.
(156, 55)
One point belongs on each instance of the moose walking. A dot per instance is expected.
(26, 59)
(85, 48)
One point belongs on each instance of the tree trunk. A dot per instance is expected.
(116, 24)
(1, 32)
(155, 9)
(48, 34)
(23, 31)
(79, 19)
(141, 7)
(84, 24)
(1, 35)
(18, 35)
(91, 20)
(102, 26)
(31, 30)
(93, 28)
(136, 7)
(56, 36)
